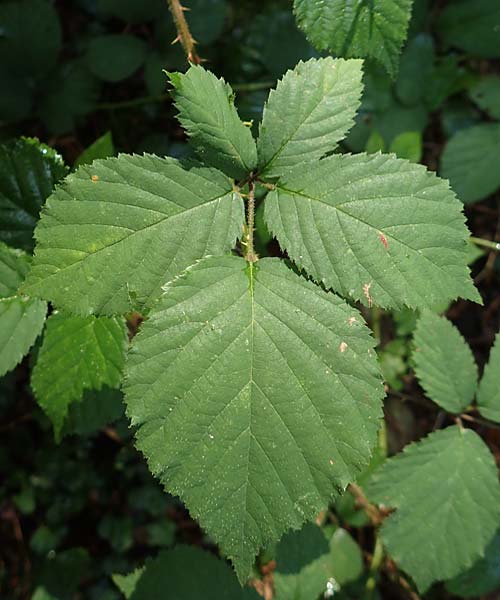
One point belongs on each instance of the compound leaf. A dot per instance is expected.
(447, 498)
(444, 363)
(256, 395)
(28, 172)
(173, 570)
(116, 230)
(311, 109)
(356, 27)
(488, 394)
(375, 228)
(207, 112)
(478, 146)
(77, 354)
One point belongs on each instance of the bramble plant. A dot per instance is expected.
(252, 383)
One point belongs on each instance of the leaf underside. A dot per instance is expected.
(446, 483)
(116, 230)
(256, 395)
(444, 363)
(374, 228)
(356, 28)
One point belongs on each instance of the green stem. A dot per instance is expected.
(485, 243)
(250, 254)
(132, 103)
(375, 564)
(237, 87)
(253, 86)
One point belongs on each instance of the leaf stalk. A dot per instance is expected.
(250, 253)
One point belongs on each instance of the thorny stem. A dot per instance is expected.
(250, 254)
(184, 35)
(485, 243)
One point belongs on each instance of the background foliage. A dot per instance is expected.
(85, 77)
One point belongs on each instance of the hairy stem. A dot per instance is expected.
(250, 254)
(184, 35)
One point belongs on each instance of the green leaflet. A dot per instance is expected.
(478, 146)
(77, 354)
(488, 394)
(311, 109)
(444, 363)
(21, 319)
(448, 483)
(28, 172)
(187, 573)
(103, 147)
(127, 583)
(308, 566)
(407, 145)
(14, 264)
(95, 410)
(375, 228)
(116, 230)
(207, 112)
(256, 395)
(357, 28)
